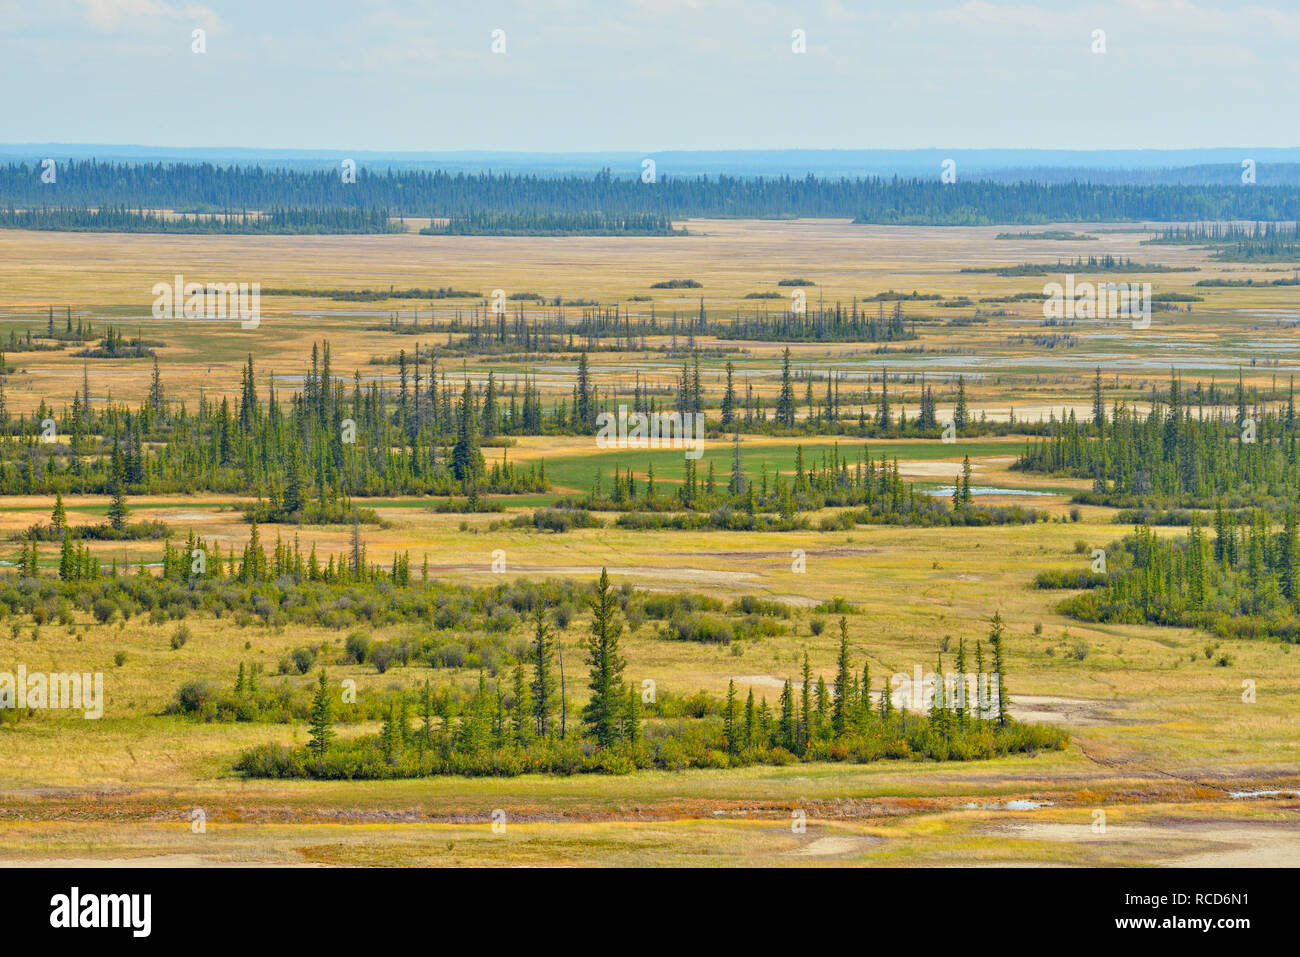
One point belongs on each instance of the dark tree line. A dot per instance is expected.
(275, 221)
(209, 187)
(545, 223)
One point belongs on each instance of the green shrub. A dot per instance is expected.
(303, 659)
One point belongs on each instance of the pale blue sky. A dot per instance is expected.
(647, 75)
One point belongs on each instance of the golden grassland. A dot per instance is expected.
(109, 277)
(1160, 733)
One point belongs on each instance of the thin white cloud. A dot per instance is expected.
(113, 15)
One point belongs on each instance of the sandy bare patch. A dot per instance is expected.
(1038, 709)
(1263, 844)
(759, 681)
(839, 845)
(943, 469)
(1051, 709)
(798, 601)
(190, 516)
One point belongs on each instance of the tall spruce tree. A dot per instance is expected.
(730, 720)
(788, 726)
(321, 723)
(117, 510)
(466, 459)
(604, 711)
(996, 640)
(805, 707)
(785, 400)
(728, 410)
(840, 709)
(543, 690)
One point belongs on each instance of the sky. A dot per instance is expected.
(647, 75)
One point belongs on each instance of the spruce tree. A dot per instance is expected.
(602, 713)
(785, 401)
(821, 716)
(961, 683)
(840, 710)
(523, 720)
(466, 459)
(632, 721)
(543, 688)
(728, 409)
(730, 722)
(788, 728)
(996, 640)
(959, 413)
(321, 722)
(737, 484)
(117, 510)
(67, 566)
(805, 707)
(1098, 404)
(865, 714)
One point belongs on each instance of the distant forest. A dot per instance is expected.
(1263, 242)
(553, 224)
(205, 187)
(121, 219)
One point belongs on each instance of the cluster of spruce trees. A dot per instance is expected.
(537, 324)
(51, 340)
(199, 561)
(1231, 242)
(114, 345)
(831, 480)
(324, 443)
(522, 725)
(1198, 447)
(1243, 582)
(309, 454)
(287, 586)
